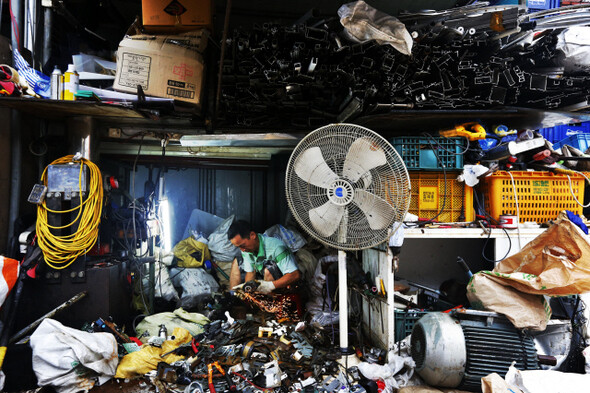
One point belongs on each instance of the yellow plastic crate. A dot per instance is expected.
(541, 195)
(428, 195)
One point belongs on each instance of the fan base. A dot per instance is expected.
(349, 360)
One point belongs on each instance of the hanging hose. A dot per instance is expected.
(61, 251)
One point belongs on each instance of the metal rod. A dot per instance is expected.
(222, 56)
(24, 331)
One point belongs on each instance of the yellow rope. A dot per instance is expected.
(61, 251)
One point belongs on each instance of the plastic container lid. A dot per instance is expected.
(71, 68)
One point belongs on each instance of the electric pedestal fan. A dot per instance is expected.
(347, 186)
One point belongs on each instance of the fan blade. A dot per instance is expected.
(379, 213)
(362, 156)
(311, 167)
(326, 218)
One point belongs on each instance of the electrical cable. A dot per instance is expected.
(491, 219)
(517, 210)
(60, 251)
(134, 248)
(572, 190)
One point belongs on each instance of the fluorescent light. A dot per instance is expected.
(270, 139)
(166, 235)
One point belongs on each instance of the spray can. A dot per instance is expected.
(57, 84)
(71, 83)
(163, 333)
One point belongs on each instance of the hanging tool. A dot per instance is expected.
(472, 131)
(464, 266)
(503, 131)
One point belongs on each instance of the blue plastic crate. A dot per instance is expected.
(557, 133)
(579, 141)
(421, 153)
(535, 5)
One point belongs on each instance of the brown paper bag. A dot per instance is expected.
(494, 383)
(555, 263)
(522, 309)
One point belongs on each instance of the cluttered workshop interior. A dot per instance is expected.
(270, 197)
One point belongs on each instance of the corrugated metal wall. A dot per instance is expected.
(256, 195)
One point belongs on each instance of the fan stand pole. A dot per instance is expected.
(348, 358)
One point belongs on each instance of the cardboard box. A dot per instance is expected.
(165, 66)
(176, 15)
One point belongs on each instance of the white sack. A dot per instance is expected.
(219, 245)
(544, 381)
(163, 287)
(290, 237)
(71, 360)
(195, 282)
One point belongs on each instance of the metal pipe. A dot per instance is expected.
(47, 25)
(222, 56)
(24, 331)
(343, 301)
(17, 30)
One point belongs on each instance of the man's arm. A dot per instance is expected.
(234, 274)
(287, 279)
(250, 276)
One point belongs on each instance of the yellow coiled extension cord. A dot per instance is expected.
(61, 251)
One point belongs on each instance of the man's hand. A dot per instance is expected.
(265, 287)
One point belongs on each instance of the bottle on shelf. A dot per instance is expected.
(57, 84)
(71, 83)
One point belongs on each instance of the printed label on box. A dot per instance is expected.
(172, 91)
(428, 197)
(135, 70)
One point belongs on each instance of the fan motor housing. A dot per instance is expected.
(452, 352)
(438, 348)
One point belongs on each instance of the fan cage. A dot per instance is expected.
(390, 182)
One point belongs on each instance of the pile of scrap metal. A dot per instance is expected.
(250, 355)
(471, 57)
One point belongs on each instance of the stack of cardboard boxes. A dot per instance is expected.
(167, 62)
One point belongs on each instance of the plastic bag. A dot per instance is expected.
(71, 360)
(147, 358)
(586, 354)
(193, 322)
(196, 283)
(364, 23)
(543, 381)
(290, 237)
(317, 303)
(323, 318)
(574, 42)
(219, 245)
(191, 252)
(163, 285)
(377, 372)
(307, 264)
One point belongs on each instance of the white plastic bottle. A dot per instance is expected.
(71, 83)
(57, 84)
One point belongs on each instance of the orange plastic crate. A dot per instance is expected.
(541, 195)
(428, 195)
